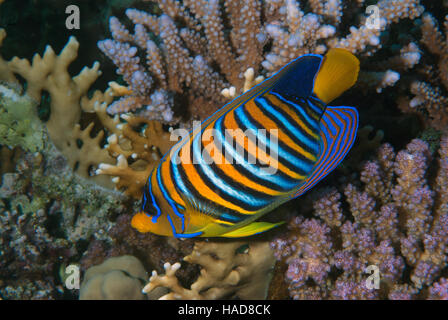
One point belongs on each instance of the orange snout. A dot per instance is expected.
(141, 222)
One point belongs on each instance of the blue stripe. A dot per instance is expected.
(181, 235)
(217, 181)
(344, 132)
(289, 126)
(305, 167)
(259, 172)
(315, 108)
(144, 200)
(159, 212)
(178, 179)
(303, 113)
(230, 217)
(168, 198)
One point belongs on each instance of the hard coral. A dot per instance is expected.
(429, 89)
(68, 99)
(119, 278)
(144, 148)
(69, 103)
(237, 269)
(189, 46)
(151, 249)
(397, 221)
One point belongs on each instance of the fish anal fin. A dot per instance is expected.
(338, 132)
(251, 229)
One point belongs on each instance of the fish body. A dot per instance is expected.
(266, 147)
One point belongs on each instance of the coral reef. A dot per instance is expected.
(192, 65)
(47, 217)
(430, 100)
(152, 250)
(192, 43)
(394, 218)
(210, 270)
(144, 148)
(118, 278)
(50, 73)
(229, 270)
(186, 59)
(60, 140)
(70, 104)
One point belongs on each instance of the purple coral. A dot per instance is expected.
(395, 219)
(439, 290)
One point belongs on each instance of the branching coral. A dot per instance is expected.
(237, 269)
(144, 148)
(234, 269)
(49, 73)
(397, 221)
(69, 102)
(430, 100)
(196, 55)
(189, 47)
(184, 57)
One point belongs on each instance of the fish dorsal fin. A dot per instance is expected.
(299, 72)
(338, 132)
(296, 79)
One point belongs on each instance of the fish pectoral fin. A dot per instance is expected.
(251, 229)
(338, 132)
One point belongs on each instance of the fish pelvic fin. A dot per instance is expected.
(251, 229)
(338, 73)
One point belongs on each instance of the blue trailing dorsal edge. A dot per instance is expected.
(338, 132)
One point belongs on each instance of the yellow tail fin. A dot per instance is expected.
(338, 73)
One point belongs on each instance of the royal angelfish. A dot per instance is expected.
(285, 125)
